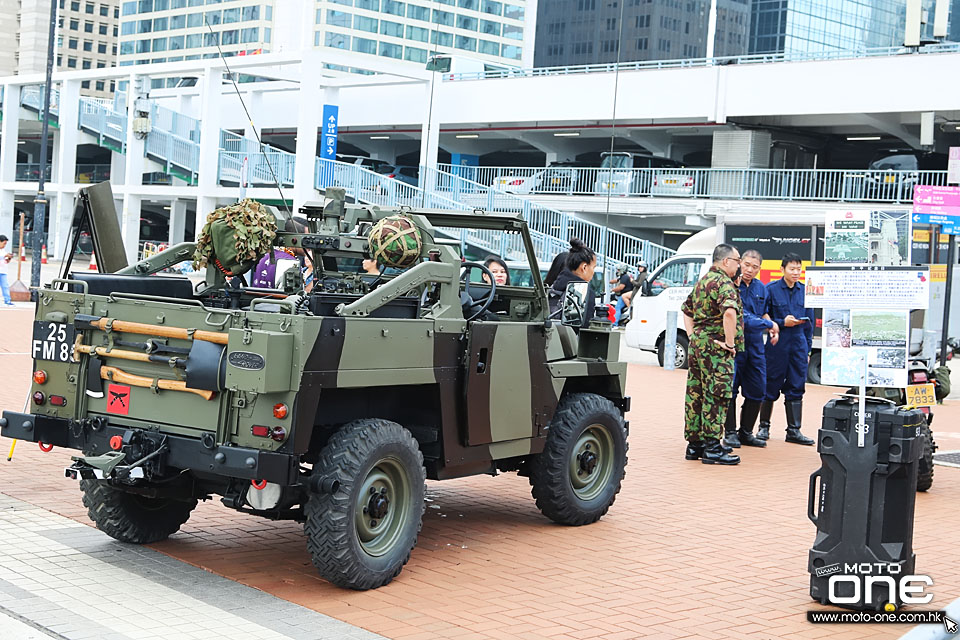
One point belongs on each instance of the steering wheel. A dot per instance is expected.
(466, 299)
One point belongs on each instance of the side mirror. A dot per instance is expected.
(574, 304)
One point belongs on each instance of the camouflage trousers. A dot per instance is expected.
(709, 387)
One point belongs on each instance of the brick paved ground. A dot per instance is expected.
(688, 550)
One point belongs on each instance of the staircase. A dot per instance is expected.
(174, 143)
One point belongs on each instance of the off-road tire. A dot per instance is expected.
(814, 372)
(581, 419)
(683, 346)
(357, 454)
(129, 517)
(925, 463)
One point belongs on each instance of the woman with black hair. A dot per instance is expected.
(501, 274)
(556, 267)
(581, 265)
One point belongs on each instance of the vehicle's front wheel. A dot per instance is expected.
(129, 517)
(577, 476)
(361, 535)
(814, 368)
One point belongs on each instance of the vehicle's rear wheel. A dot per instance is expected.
(925, 464)
(133, 518)
(361, 535)
(577, 476)
(683, 350)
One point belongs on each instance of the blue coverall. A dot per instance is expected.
(750, 373)
(787, 360)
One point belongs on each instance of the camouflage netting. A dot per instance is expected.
(395, 242)
(235, 237)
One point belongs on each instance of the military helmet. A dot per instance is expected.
(395, 241)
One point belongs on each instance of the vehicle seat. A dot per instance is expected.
(103, 284)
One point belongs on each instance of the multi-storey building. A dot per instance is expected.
(588, 31)
(810, 26)
(86, 38)
(407, 30)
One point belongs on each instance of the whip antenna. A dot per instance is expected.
(216, 41)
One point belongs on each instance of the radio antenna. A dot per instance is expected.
(266, 157)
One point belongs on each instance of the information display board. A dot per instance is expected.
(902, 288)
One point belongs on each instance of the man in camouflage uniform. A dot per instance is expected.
(712, 314)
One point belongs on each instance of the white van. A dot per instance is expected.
(666, 288)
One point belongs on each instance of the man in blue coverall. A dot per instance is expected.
(787, 360)
(750, 366)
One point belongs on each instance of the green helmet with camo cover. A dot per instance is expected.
(395, 241)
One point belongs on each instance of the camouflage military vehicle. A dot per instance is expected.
(331, 407)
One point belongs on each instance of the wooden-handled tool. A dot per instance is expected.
(153, 330)
(113, 374)
(113, 353)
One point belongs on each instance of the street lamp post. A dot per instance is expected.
(40, 203)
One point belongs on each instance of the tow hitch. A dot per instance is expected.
(108, 466)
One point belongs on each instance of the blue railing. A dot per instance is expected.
(839, 185)
(757, 58)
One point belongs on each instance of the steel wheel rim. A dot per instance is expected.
(380, 524)
(591, 462)
(680, 356)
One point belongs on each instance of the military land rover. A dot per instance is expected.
(330, 407)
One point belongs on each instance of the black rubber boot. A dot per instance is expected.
(713, 453)
(794, 410)
(730, 438)
(748, 416)
(694, 450)
(766, 411)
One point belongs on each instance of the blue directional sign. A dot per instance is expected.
(949, 225)
(328, 135)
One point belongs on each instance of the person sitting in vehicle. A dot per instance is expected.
(501, 274)
(581, 265)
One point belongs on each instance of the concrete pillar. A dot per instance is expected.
(211, 102)
(117, 165)
(133, 174)
(254, 105)
(65, 167)
(309, 114)
(430, 135)
(9, 135)
(178, 220)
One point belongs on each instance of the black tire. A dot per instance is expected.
(814, 368)
(133, 518)
(925, 464)
(683, 352)
(584, 422)
(363, 455)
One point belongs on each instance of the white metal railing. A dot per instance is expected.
(235, 151)
(756, 58)
(843, 185)
(32, 97)
(613, 245)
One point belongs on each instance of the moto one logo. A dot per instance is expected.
(858, 578)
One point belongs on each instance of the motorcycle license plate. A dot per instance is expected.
(921, 395)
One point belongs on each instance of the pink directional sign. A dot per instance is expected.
(944, 201)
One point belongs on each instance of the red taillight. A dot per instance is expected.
(279, 411)
(688, 182)
(514, 183)
(38, 398)
(655, 182)
(40, 376)
(58, 401)
(919, 377)
(278, 433)
(391, 175)
(261, 431)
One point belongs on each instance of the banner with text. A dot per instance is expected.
(834, 287)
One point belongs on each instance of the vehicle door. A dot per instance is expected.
(668, 287)
(508, 389)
